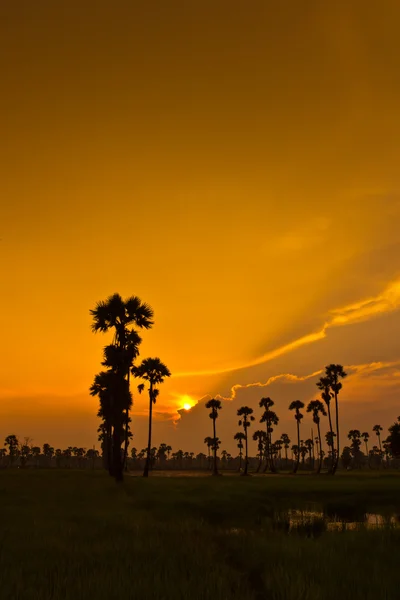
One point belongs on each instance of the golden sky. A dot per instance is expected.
(234, 164)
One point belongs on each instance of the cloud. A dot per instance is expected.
(387, 301)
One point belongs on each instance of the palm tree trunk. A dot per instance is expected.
(332, 443)
(215, 470)
(273, 469)
(127, 430)
(259, 461)
(336, 463)
(117, 458)
(320, 449)
(246, 455)
(298, 446)
(147, 464)
(265, 469)
(240, 459)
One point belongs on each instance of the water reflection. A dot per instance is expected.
(343, 518)
(312, 522)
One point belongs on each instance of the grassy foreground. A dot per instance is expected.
(76, 535)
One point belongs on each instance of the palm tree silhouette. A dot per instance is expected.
(209, 441)
(365, 437)
(246, 415)
(377, 429)
(239, 436)
(270, 418)
(118, 315)
(286, 443)
(334, 373)
(153, 371)
(260, 437)
(324, 385)
(215, 406)
(296, 405)
(316, 407)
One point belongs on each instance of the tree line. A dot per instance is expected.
(327, 405)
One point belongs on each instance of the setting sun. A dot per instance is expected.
(187, 406)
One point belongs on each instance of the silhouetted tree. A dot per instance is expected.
(118, 315)
(246, 415)
(394, 439)
(12, 442)
(354, 436)
(286, 443)
(324, 384)
(365, 437)
(317, 408)
(209, 441)
(377, 429)
(153, 371)
(346, 457)
(260, 436)
(296, 405)
(270, 418)
(239, 436)
(334, 373)
(215, 406)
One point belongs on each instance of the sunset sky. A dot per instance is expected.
(234, 164)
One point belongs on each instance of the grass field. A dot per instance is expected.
(77, 535)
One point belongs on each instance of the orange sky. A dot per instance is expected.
(235, 165)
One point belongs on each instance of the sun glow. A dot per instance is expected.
(186, 402)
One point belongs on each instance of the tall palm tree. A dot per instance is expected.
(334, 373)
(215, 406)
(296, 405)
(317, 408)
(153, 371)
(260, 436)
(246, 415)
(377, 429)
(286, 443)
(324, 385)
(121, 316)
(239, 436)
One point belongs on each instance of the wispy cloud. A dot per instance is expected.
(387, 301)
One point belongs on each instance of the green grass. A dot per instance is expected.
(76, 535)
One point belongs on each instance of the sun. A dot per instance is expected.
(186, 402)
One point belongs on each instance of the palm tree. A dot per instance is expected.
(209, 441)
(286, 443)
(296, 405)
(365, 437)
(246, 415)
(324, 385)
(154, 372)
(106, 386)
(260, 437)
(330, 440)
(168, 450)
(215, 406)
(118, 315)
(354, 435)
(270, 418)
(334, 373)
(316, 407)
(377, 429)
(239, 436)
